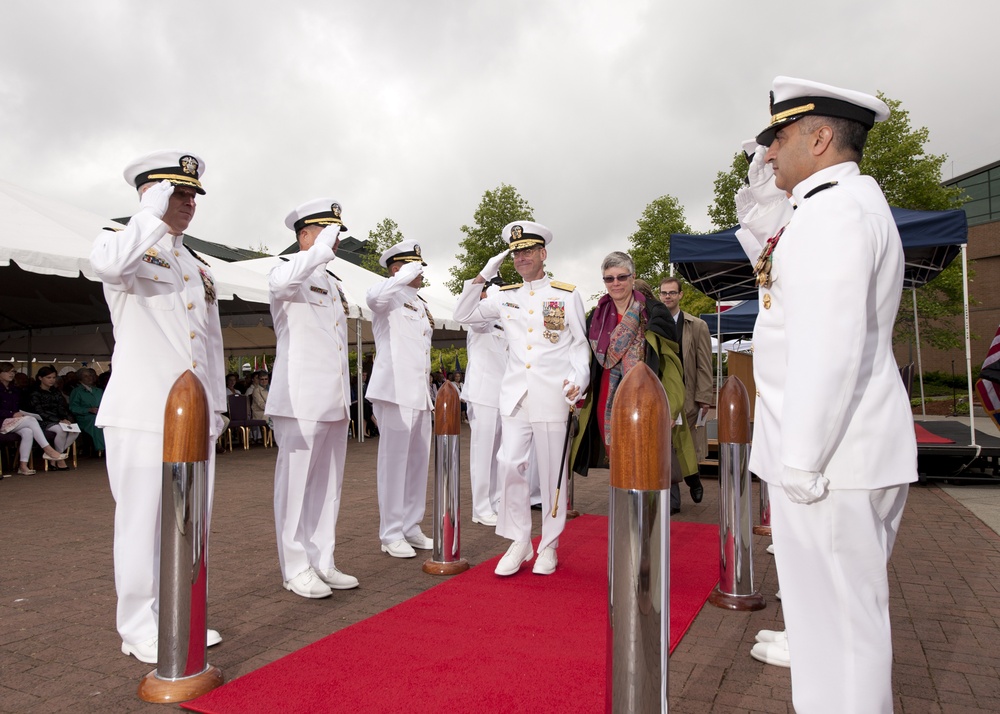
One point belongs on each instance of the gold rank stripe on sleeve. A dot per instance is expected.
(512, 287)
(558, 285)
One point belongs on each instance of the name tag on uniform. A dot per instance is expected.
(317, 289)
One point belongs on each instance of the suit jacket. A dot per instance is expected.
(166, 321)
(546, 342)
(403, 332)
(696, 354)
(310, 378)
(829, 396)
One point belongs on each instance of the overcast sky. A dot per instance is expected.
(412, 109)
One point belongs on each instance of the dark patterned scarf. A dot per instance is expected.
(617, 346)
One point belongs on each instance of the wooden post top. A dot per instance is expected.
(734, 412)
(447, 411)
(185, 421)
(640, 433)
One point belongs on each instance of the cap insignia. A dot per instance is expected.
(335, 210)
(516, 232)
(416, 250)
(189, 165)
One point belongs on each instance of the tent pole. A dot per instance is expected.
(968, 342)
(920, 365)
(718, 360)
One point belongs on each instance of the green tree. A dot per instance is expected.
(650, 244)
(385, 235)
(482, 241)
(727, 183)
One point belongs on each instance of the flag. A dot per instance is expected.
(441, 361)
(265, 362)
(988, 384)
(458, 367)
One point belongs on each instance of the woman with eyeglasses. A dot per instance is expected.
(627, 328)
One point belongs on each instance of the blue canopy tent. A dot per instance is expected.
(716, 265)
(737, 321)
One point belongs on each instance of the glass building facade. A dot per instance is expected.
(982, 187)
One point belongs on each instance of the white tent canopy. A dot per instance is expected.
(52, 305)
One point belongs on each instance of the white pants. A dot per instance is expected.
(831, 557)
(30, 431)
(61, 440)
(523, 441)
(308, 477)
(404, 451)
(135, 470)
(484, 421)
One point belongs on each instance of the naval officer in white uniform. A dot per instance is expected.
(833, 435)
(399, 391)
(548, 369)
(309, 402)
(486, 347)
(166, 318)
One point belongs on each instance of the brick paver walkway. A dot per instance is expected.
(59, 651)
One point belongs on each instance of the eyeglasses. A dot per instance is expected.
(669, 293)
(524, 251)
(608, 279)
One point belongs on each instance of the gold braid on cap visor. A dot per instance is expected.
(526, 243)
(781, 116)
(321, 222)
(175, 178)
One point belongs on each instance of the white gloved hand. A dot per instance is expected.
(571, 392)
(329, 236)
(156, 198)
(744, 203)
(803, 486)
(409, 272)
(761, 177)
(492, 266)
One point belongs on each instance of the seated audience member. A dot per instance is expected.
(102, 379)
(47, 401)
(258, 398)
(14, 421)
(231, 379)
(83, 404)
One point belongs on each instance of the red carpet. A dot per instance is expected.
(926, 437)
(479, 642)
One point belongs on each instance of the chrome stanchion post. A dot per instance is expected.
(446, 557)
(764, 527)
(182, 672)
(638, 642)
(735, 590)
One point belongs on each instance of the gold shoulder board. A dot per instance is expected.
(512, 287)
(562, 286)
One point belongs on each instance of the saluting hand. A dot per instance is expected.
(156, 198)
(492, 266)
(761, 177)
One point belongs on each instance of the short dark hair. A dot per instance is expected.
(671, 279)
(849, 136)
(44, 372)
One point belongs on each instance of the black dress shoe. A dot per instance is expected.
(697, 493)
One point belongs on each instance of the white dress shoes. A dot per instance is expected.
(772, 636)
(337, 580)
(517, 553)
(770, 549)
(778, 594)
(420, 541)
(488, 520)
(147, 651)
(308, 584)
(775, 653)
(545, 563)
(399, 549)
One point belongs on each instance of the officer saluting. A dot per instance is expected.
(548, 368)
(833, 435)
(399, 391)
(309, 402)
(163, 305)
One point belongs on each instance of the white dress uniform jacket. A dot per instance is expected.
(486, 346)
(841, 412)
(403, 332)
(310, 377)
(536, 365)
(163, 324)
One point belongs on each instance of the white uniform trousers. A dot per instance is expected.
(135, 470)
(308, 477)
(832, 557)
(404, 451)
(522, 442)
(484, 422)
